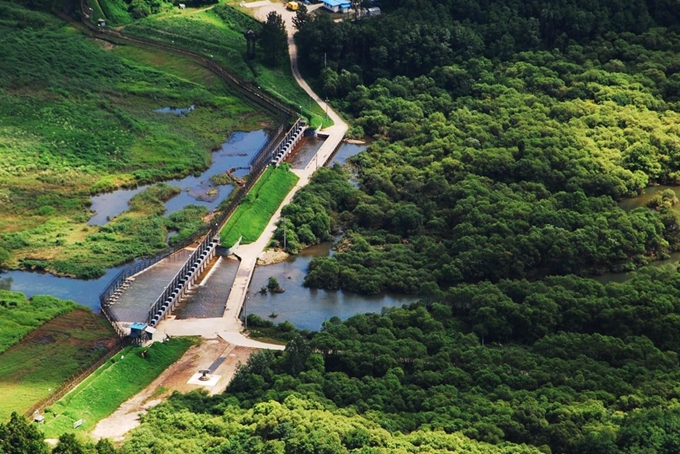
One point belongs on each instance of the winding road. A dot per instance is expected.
(229, 327)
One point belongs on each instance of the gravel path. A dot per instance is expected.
(224, 358)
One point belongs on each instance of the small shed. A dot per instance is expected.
(37, 417)
(137, 330)
(373, 11)
(101, 23)
(141, 332)
(337, 6)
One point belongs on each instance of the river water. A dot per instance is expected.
(641, 202)
(83, 292)
(303, 307)
(235, 152)
(308, 308)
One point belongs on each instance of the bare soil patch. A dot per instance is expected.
(271, 256)
(217, 355)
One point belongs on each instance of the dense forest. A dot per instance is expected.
(505, 134)
(501, 152)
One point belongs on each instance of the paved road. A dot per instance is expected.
(229, 327)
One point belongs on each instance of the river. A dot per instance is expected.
(308, 308)
(303, 307)
(237, 152)
(641, 202)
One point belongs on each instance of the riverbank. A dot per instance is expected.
(67, 144)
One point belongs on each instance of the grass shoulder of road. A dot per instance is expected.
(219, 33)
(252, 215)
(120, 378)
(50, 355)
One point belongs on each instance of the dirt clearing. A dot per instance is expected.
(216, 355)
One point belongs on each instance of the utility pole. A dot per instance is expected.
(326, 108)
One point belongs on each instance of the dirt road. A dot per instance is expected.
(215, 354)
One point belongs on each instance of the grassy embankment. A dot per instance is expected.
(44, 341)
(112, 384)
(219, 32)
(257, 208)
(77, 117)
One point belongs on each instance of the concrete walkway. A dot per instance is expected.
(229, 327)
(250, 252)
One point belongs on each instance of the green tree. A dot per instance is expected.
(19, 437)
(68, 444)
(302, 17)
(273, 38)
(104, 446)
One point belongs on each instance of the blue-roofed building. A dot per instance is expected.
(337, 6)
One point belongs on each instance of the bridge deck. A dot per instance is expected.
(135, 302)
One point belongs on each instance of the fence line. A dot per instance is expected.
(76, 378)
(257, 165)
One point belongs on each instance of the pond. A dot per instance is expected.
(176, 110)
(197, 190)
(308, 308)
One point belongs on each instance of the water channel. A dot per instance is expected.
(308, 308)
(304, 307)
(197, 190)
(641, 201)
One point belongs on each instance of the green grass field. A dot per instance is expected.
(19, 316)
(76, 118)
(112, 384)
(219, 32)
(254, 212)
(47, 357)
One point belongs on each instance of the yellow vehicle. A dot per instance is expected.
(292, 6)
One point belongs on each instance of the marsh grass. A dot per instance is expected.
(51, 353)
(77, 118)
(19, 316)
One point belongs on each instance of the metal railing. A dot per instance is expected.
(257, 165)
